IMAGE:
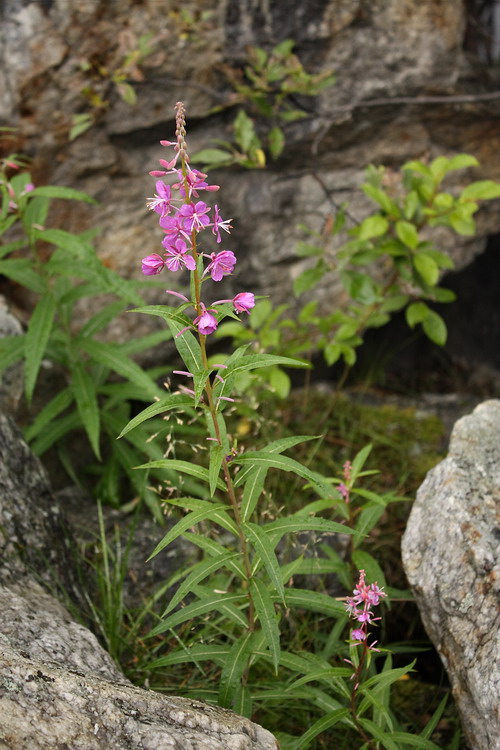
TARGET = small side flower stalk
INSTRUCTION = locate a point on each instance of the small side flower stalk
(360, 608)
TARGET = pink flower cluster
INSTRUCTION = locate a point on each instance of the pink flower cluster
(359, 607)
(182, 219)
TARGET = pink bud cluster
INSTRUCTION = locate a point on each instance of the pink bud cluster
(359, 605)
(182, 219)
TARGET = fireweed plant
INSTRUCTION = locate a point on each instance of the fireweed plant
(232, 619)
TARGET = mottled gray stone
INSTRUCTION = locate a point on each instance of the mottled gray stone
(451, 554)
(11, 379)
(58, 687)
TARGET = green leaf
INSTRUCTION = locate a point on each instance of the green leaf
(414, 740)
(268, 618)
(244, 131)
(320, 726)
(195, 653)
(254, 361)
(21, 271)
(111, 356)
(383, 679)
(407, 233)
(11, 351)
(308, 279)
(363, 561)
(52, 410)
(37, 336)
(306, 250)
(276, 141)
(56, 191)
(427, 268)
(298, 523)
(185, 523)
(86, 401)
(101, 319)
(174, 401)
(201, 571)
(435, 718)
(283, 463)
(416, 313)
(380, 197)
(435, 328)
(377, 733)
(202, 606)
(462, 161)
(217, 454)
(265, 552)
(214, 157)
(280, 382)
(54, 431)
(481, 190)
(314, 602)
(232, 672)
(373, 226)
(185, 467)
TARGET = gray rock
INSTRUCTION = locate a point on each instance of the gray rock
(11, 379)
(451, 554)
(58, 687)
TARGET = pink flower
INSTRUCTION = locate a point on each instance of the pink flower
(161, 202)
(152, 265)
(243, 302)
(174, 230)
(194, 215)
(358, 635)
(220, 224)
(222, 265)
(196, 181)
(178, 256)
(205, 321)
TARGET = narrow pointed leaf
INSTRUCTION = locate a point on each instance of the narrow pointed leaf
(198, 608)
(236, 662)
(298, 523)
(284, 463)
(174, 401)
(217, 454)
(268, 618)
(36, 340)
(185, 523)
(265, 552)
(86, 401)
(198, 652)
(58, 404)
(201, 571)
(200, 472)
(11, 351)
(110, 356)
(320, 726)
(314, 601)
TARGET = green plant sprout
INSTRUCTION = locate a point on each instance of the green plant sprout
(267, 87)
(391, 263)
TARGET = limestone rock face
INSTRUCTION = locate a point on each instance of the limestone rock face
(451, 557)
(381, 49)
(58, 687)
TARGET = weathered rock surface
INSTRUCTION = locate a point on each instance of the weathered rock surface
(451, 554)
(379, 49)
(58, 687)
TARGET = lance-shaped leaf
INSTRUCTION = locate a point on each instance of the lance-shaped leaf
(36, 340)
(185, 523)
(57, 191)
(187, 345)
(235, 665)
(110, 356)
(298, 523)
(314, 602)
(185, 467)
(320, 726)
(215, 601)
(86, 401)
(196, 653)
(265, 553)
(273, 461)
(174, 401)
(201, 571)
(55, 406)
(11, 351)
(217, 454)
(268, 618)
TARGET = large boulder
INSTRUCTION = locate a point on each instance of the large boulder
(389, 57)
(58, 687)
(451, 557)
